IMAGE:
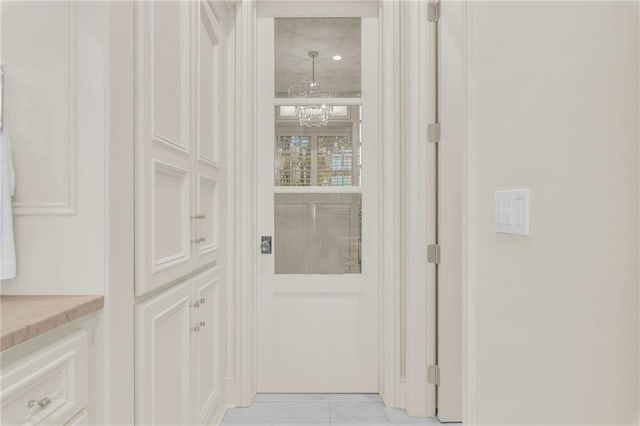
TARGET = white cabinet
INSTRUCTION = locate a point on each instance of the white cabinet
(207, 358)
(208, 124)
(48, 387)
(163, 354)
(178, 356)
(178, 131)
(177, 141)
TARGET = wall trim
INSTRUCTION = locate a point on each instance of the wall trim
(465, 26)
(391, 319)
(117, 320)
(245, 205)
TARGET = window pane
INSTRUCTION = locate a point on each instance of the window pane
(338, 63)
(328, 155)
(318, 233)
(293, 161)
(335, 161)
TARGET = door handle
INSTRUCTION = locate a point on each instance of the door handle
(265, 244)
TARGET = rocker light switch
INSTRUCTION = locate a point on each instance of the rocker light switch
(512, 211)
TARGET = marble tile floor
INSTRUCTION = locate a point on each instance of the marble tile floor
(320, 410)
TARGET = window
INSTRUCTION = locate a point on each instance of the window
(323, 156)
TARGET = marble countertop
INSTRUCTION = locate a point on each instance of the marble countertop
(25, 317)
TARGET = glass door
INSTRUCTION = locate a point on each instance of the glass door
(318, 202)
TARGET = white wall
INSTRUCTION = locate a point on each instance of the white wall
(54, 56)
(553, 106)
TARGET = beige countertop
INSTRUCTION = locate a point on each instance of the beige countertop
(25, 317)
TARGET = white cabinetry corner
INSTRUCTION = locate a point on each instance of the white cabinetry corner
(178, 354)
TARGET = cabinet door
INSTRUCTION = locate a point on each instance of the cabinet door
(164, 148)
(163, 350)
(207, 355)
(208, 133)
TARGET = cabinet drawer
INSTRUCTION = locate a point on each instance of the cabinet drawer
(48, 387)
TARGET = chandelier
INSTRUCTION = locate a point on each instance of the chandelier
(313, 115)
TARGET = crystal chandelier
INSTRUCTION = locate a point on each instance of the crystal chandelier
(313, 115)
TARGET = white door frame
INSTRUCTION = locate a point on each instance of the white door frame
(403, 327)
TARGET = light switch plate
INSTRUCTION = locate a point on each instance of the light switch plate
(512, 211)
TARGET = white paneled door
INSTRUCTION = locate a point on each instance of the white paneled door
(206, 365)
(178, 354)
(164, 147)
(177, 141)
(163, 358)
(180, 309)
(318, 282)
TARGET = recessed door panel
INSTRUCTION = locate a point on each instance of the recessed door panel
(163, 350)
(209, 82)
(168, 72)
(208, 377)
(171, 231)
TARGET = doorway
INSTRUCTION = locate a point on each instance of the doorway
(317, 205)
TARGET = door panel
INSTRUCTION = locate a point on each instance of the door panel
(318, 289)
(163, 350)
(163, 153)
(168, 59)
(170, 212)
(208, 379)
(209, 87)
(208, 134)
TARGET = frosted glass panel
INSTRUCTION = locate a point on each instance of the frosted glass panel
(318, 233)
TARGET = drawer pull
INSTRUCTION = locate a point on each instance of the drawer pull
(41, 405)
(36, 406)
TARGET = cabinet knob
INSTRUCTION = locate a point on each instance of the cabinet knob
(202, 324)
(196, 329)
(202, 301)
(195, 305)
(42, 404)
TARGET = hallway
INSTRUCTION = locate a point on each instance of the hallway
(320, 410)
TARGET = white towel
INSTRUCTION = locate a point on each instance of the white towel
(7, 189)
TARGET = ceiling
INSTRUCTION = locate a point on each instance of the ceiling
(295, 37)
